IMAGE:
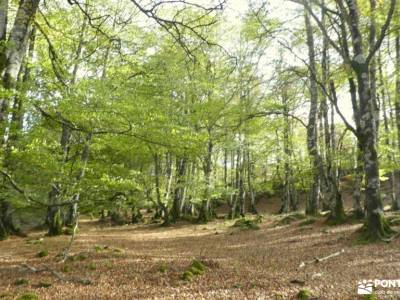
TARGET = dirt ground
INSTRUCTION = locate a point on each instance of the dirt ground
(147, 262)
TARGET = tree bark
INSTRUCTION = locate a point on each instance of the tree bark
(16, 49)
(312, 205)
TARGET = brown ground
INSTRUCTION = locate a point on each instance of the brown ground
(248, 264)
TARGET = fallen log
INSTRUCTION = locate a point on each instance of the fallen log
(320, 259)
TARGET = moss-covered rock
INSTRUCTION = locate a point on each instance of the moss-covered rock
(187, 276)
(198, 265)
(99, 248)
(196, 271)
(304, 295)
(163, 268)
(44, 284)
(28, 296)
(43, 253)
(21, 281)
(78, 257)
(246, 224)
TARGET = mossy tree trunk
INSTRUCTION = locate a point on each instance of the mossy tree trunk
(54, 221)
(375, 226)
(7, 226)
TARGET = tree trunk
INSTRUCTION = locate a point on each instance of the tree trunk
(204, 213)
(17, 47)
(376, 226)
(312, 141)
(3, 32)
(179, 189)
(396, 205)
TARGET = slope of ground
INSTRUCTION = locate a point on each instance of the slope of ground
(147, 262)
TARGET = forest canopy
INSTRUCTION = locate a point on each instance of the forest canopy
(109, 108)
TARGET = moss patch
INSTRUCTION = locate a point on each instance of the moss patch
(308, 221)
(196, 268)
(290, 219)
(92, 266)
(21, 281)
(304, 295)
(44, 284)
(163, 268)
(28, 296)
(246, 224)
(43, 253)
(187, 276)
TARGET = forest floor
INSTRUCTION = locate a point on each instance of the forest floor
(147, 262)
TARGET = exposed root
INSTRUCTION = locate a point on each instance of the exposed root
(58, 275)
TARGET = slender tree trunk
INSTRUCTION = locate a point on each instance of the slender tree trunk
(3, 32)
(204, 213)
(312, 130)
(73, 209)
(160, 204)
(396, 204)
(179, 188)
(250, 175)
